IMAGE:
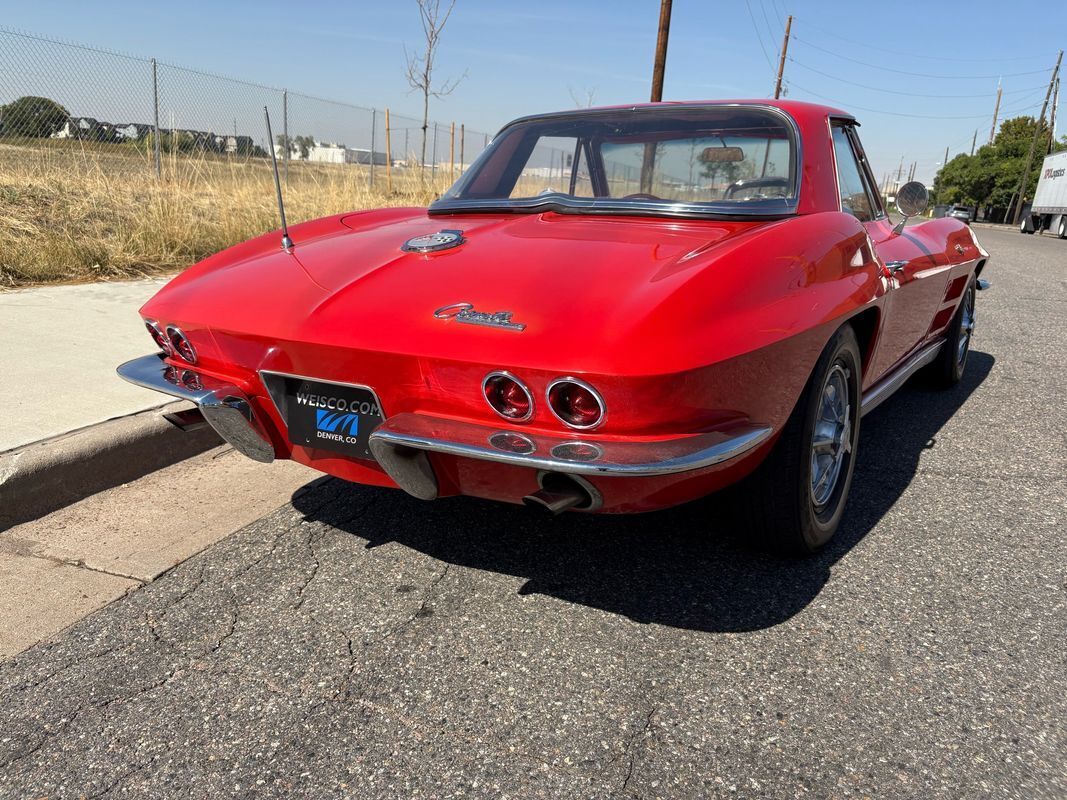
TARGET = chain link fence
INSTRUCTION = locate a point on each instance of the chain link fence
(55, 93)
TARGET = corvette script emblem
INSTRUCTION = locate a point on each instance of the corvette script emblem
(465, 313)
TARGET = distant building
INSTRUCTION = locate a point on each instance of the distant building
(79, 128)
(329, 153)
(130, 131)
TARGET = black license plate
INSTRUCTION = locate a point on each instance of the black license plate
(331, 416)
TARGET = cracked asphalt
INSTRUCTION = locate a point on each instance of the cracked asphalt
(359, 643)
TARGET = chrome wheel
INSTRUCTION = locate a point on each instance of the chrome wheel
(831, 440)
(966, 326)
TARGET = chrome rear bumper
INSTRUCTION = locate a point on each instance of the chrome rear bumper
(224, 406)
(399, 444)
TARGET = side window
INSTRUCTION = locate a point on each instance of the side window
(850, 184)
(865, 172)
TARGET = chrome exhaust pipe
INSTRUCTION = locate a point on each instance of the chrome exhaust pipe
(560, 492)
(556, 502)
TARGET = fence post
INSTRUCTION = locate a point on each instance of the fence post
(155, 125)
(373, 125)
(285, 131)
(433, 166)
(461, 140)
(388, 155)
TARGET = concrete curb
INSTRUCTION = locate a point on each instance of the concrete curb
(39, 478)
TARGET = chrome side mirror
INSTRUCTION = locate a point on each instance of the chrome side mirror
(912, 199)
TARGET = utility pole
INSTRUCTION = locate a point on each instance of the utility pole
(648, 161)
(1052, 115)
(974, 140)
(661, 50)
(1033, 142)
(781, 57)
(996, 111)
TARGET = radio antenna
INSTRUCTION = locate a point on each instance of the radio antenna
(287, 243)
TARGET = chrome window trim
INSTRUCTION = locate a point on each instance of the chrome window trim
(566, 204)
(587, 386)
(500, 373)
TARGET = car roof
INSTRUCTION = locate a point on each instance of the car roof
(798, 109)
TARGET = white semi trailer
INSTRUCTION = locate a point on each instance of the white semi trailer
(1048, 212)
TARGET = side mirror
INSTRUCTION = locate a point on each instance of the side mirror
(912, 199)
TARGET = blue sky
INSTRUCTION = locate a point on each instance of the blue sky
(524, 57)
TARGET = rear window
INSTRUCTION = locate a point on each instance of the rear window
(725, 159)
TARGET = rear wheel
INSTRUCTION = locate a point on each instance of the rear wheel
(1063, 227)
(795, 499)
(1024, 228)
(947, 369)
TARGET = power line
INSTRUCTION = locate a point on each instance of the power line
(890, 113)
(781, 12)
(919, 74)
(770, 28)
(896, 52)
(895, 91)
(759, 36)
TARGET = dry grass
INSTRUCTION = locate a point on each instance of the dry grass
(84, 212)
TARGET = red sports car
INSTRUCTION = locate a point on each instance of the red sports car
(612, 310)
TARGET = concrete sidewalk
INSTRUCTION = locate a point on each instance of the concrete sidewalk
(56, 569)
(59, 346)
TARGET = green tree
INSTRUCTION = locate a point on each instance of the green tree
(35, 117)
(990, 178)
(299, 146)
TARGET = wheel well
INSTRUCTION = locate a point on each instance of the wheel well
(978, 269)
(865, 325)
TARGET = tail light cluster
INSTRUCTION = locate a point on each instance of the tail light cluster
(171, 341)
(160, 338)
(573, 402)
(508, 396)
(576, 403)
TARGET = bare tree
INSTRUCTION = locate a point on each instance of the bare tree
(579, 102)
(420, 66)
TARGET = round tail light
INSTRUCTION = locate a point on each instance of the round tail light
(181, 344)
(160, 338)
(508, 396)
(577, 404)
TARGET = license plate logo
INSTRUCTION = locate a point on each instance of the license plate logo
(336, 422)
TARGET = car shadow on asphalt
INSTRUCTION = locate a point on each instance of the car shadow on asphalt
(687, 567)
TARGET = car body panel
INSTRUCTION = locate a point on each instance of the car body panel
(684, 326)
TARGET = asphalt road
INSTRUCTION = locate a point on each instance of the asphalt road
(359, 643)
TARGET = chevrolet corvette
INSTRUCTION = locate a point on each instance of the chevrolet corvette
(612, 310)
